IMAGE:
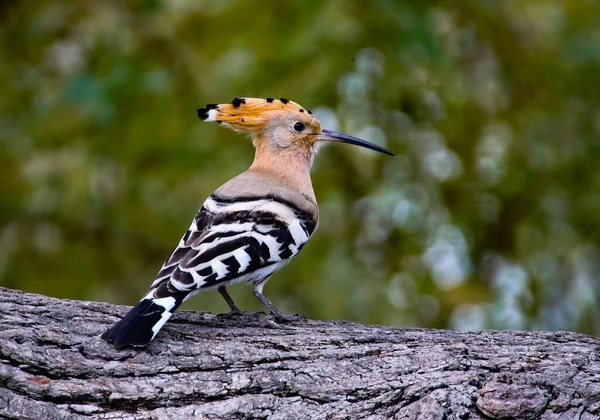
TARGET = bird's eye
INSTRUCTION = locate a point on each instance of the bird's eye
(298, 127)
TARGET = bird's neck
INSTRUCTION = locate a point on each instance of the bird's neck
(292, 167)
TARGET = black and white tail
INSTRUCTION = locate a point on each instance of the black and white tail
(143, 322)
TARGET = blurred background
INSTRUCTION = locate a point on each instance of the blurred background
(489, 217)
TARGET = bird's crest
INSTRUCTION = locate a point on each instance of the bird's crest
(249, 114)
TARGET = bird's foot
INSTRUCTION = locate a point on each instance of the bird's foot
(239, 314)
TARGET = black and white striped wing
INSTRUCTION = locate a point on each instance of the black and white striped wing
(233, 241)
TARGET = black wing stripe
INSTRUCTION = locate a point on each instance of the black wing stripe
(220, 249)
(233, 265)
(193, 238)
(308, 224)
(205, 272)
(258, 217)
(223, 200)
(203, 219)
(167, 271)
(217, 235)
(183, 277)
(177, 255)
(167, 289)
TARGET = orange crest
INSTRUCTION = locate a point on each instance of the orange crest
(249, 114)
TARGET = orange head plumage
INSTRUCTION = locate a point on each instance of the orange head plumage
(277, 125)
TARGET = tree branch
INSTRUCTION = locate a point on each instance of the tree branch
(54, 365)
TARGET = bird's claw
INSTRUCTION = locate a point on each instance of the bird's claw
(239, 314)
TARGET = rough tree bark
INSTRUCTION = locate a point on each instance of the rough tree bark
(54, 365)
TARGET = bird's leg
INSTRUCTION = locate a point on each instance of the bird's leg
(235, 312)
(257, 289)
(234, 308)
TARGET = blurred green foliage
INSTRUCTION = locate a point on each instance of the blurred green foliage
(488, 218)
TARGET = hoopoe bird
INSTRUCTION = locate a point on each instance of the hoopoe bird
(249, 227)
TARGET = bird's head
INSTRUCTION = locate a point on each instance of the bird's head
(278, 125)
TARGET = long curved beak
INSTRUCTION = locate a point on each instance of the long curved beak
(330, 135)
